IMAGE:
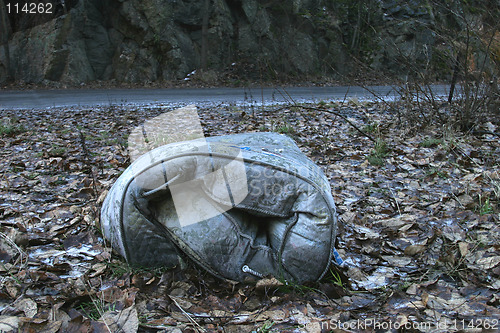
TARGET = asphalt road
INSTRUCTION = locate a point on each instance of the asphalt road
(36, 99)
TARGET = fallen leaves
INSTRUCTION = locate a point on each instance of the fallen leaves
(420, 231)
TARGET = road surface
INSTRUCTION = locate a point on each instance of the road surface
(36, 99)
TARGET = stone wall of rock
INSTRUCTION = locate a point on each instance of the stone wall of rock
(152, 40)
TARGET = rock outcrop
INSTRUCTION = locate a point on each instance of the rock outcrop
(152, 40)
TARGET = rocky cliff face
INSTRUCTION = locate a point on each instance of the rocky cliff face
(140, 41)
(144, 41)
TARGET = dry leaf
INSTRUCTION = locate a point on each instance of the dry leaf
(125, 321)
(268, 283)
(412, 250)
(9, 323)
(463, 247)
(488, 262)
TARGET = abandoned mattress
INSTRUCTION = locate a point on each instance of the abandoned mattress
(241, 206)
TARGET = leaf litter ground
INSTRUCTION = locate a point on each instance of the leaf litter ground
(418, 229)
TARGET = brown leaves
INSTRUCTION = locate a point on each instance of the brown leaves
(125, 321)
(412, 250)
(419, 232)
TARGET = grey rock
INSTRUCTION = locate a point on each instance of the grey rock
(150, 40)
(303, 55)
(3, 73)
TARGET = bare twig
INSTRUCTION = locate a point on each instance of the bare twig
(188, 316)
(22, 254)
(395, 200)
(95, 303)
(88, 162)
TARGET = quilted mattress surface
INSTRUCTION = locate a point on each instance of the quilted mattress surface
(241, 206)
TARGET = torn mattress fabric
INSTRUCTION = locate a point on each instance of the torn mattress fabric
(241, 206)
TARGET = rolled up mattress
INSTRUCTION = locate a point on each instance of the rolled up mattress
(241, 206)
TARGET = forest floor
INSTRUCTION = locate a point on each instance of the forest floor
(418, 228)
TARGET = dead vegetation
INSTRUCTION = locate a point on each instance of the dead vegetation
(419, 228)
